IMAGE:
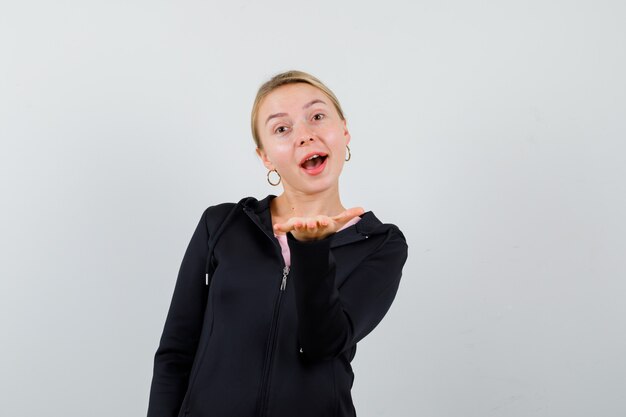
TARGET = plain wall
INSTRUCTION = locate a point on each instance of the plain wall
(492, 133)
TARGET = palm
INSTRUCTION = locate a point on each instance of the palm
(318, 227)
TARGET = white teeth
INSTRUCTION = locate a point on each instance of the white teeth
(313, 156)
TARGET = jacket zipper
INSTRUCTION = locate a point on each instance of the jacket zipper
(267, 369)
(269, 359)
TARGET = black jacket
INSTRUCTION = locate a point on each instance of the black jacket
(262, 339)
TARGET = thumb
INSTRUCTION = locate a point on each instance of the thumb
(348, 214)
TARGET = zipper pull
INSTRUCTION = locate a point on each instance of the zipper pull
(285, 273)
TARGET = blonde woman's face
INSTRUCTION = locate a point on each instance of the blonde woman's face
(294, 122)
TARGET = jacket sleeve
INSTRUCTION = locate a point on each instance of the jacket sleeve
(177, 348)
(332, 320)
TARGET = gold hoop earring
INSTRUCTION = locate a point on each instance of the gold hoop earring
(349, 154)
(268, 177)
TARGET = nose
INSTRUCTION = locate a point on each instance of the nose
(303, 133)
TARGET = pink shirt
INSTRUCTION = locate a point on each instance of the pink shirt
(282, 239)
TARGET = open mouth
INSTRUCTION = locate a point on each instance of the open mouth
(314, 162)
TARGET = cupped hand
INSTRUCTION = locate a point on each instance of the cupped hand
(318, 227)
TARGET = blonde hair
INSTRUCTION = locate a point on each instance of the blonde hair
(288, 77)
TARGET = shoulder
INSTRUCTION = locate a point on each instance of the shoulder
(372, 225)
(218, 212)
(219, 208)
(394, 240)
(215, 215)
(386, 244)
(393, 245)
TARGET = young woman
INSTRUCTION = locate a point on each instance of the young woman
(273, 295)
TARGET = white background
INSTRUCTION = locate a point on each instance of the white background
(491, 132)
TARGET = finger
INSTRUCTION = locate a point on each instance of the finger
(295, 223)
(349, 214)
(355, 211)
(322, 221)
(339, 216)
(299, 225)
(282, 227)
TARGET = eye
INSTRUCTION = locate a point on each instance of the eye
(321, 116)
(280, 129)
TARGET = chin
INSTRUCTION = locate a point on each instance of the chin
(306, 188)
(319, 187)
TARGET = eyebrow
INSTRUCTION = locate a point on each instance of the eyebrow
(309, 104)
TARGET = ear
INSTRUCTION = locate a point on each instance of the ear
(261, 153)
(346, 133)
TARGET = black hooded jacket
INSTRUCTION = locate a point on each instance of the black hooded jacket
(246, 336)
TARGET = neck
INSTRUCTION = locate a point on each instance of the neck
(298, 204)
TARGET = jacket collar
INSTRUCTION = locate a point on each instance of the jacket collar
(368, 225)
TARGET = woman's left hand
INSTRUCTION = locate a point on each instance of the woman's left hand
(318, 227)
